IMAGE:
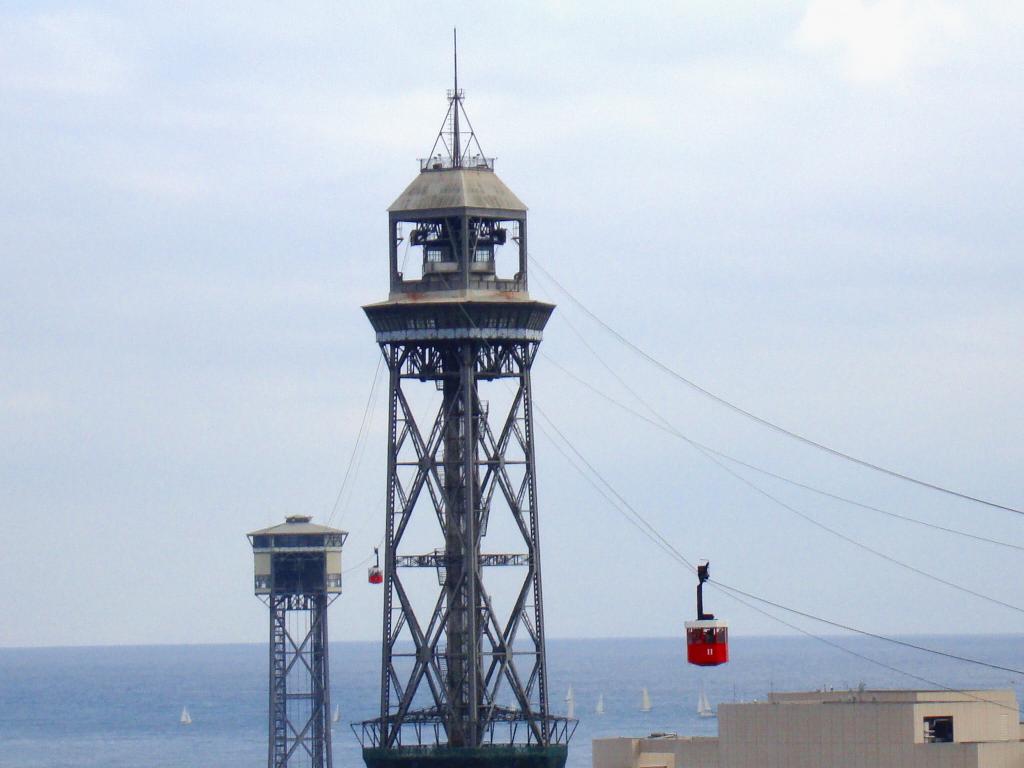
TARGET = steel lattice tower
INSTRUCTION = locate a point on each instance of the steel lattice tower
(298, 573)
(464, 677)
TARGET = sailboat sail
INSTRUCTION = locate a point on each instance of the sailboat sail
(600, 705)
(336, 715)
(186, 718)
(570, 703)
(704, 706)
(645, 702)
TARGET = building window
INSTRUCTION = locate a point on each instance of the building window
(435, 255)
(299, 540)
(483, 255)
(938, 729)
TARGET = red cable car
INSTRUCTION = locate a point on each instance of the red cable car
(707, 638)
(375, 575)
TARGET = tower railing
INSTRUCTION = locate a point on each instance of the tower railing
(425, 730)
(446, 163)
(455, 282)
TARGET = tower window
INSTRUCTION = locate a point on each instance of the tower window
(435, 255)
(483, 254)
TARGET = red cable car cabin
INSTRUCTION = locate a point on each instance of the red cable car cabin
(375, 576)
(707, 642)
(707, 638)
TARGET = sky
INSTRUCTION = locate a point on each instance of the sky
(813, 209)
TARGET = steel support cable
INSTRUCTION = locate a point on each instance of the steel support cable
(870, 660)
(757, 489)
(659, 540)
(652, 531)
(360, 437)
(655, 536)
(638, 521)
(733, 591)
(888, 558)
(861, 545)
(631, 515)
(362, 451)
(364, 561)
(671, 430)
(759, 419)
(359, 525)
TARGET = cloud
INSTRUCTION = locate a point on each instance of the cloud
(878, 41)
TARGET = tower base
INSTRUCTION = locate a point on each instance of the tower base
(492, 756)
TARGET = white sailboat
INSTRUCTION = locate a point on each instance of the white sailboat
(336, 715)
(645, 702)
(186, 718)
(703, 705)
(599, 709)
(570, 704)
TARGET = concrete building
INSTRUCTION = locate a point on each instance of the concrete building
(847, 729)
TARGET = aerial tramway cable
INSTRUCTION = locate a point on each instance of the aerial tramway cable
(671, 430)
(359, 447)
(878, 663)
(757, 489)
(355, 457)
(727, 589)
(759, 419)
(624, 508)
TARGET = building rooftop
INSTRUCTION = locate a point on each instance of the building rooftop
(297, 525)
(886, 696)
(852, 728)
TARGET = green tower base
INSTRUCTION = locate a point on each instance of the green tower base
(493, 756)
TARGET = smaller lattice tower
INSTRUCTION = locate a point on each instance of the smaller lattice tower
(298, 574)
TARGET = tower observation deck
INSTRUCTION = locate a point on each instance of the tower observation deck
(463, 673)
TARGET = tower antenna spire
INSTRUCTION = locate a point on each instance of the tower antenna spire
(448, 150)
(456, 102)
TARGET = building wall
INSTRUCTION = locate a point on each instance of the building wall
(666, 752)
(1009, 754)
(788, 735)
(615, 753)
(993, 719)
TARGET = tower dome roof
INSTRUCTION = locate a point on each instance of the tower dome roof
(457, 189)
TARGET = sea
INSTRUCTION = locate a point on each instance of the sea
(119, 706)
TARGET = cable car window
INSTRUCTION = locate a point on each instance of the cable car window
(938, 729)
